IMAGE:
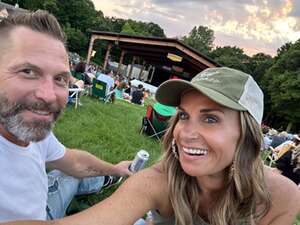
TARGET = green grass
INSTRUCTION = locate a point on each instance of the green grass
(109, 131)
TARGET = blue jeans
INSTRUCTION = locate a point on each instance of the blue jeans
(62, 189)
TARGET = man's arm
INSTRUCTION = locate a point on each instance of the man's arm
(81, 164)
(145, 190)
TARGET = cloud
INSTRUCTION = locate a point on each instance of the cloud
(252, 23)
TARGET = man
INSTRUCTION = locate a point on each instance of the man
(286, 146)
(138, 95)
(34, 77)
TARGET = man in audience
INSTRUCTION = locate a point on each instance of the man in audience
(34, 78)
(138, 95)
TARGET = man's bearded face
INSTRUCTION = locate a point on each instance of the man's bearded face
(13, 121)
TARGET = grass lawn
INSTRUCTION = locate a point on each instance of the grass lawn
(109, 131)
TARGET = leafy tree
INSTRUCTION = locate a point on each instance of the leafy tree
(76, 40)
(155, 30)
(232, 57)
(283, 84)
(142, 29)
(49, 5)
(259, 64)
(200, 38)
(284, 48)
(127, 29)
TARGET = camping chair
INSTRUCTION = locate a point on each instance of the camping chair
(100, 91)
(270, 156)
(155, 122)
(74, 96)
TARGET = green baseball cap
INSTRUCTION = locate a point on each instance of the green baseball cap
(228, 87)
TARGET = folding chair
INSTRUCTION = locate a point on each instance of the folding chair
(155, 122)
(100, 91)
(270, 156)
(74, 96)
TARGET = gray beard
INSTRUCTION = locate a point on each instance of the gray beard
(26, 131)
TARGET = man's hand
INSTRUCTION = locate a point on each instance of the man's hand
(122, 168)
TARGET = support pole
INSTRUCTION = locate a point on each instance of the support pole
(121, 61)
(90, 49)
(131, 67)
(109, 46)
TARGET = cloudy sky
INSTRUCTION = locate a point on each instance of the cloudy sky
(254, 25)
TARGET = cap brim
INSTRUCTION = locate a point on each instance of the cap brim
(170, 92)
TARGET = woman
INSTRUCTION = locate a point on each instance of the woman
(289, 164)
(211, 172)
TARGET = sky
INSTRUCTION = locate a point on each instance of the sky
(253, 25)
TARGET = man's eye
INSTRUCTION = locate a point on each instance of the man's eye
(182, 115)
(62, 81)
(211, 119)
(28, 72)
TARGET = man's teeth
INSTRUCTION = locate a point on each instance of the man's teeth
(41, 112)
(195, 151)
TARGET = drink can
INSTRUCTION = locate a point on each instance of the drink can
(139, 161)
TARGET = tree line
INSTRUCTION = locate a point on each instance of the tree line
(279, 76)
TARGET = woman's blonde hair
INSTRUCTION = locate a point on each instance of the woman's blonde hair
(245, 197)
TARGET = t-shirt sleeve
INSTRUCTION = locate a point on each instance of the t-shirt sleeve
(55, 149)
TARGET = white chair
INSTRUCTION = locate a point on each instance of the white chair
(75, 95)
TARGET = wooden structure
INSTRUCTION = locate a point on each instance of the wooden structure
(166, 54)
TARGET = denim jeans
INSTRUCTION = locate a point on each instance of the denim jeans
(62, 189)
(140, 222)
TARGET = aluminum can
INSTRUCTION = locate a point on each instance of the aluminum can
(139, 161)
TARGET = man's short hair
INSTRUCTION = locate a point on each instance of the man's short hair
(40, 21)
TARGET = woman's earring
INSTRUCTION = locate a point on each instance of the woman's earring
(174, 148)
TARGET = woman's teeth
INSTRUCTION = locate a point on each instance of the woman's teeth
(195, 151)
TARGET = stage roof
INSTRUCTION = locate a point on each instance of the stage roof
(160, 52)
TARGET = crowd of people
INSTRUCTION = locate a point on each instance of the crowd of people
(284, 150)
(118, 87)
(210, 172)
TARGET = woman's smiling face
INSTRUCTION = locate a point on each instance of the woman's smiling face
(206, 135)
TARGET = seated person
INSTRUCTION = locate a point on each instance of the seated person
(278, 139)
(286, 146)
(74, 83)
(138, 95)
(31, 101)
(119, 90)
(79, 73)
(128, 88)
(289, 164)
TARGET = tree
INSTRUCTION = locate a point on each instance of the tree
(284, 48)
(283, 84)
(232, 57)
(200, 38)
(76, 40)
(259, 64)
(127, 29)
(142, 29)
